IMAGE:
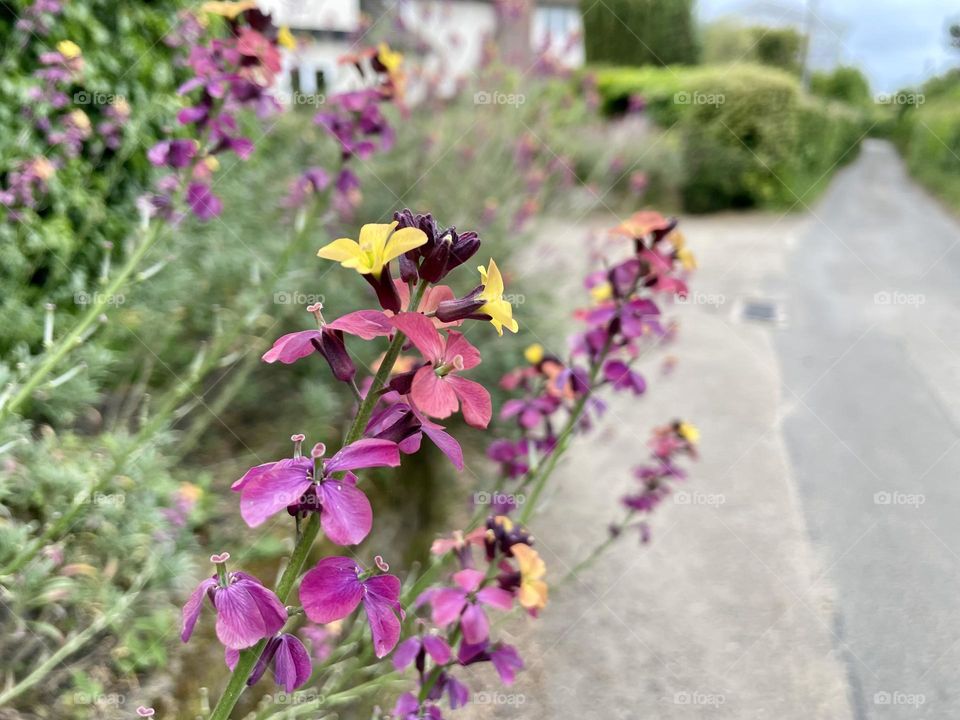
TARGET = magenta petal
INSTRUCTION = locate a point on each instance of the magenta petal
(250, 474)
(496, 597)
(365, 324)
(410, 445)
(291, 664)
(507, 661)
(346, 516)
(406, 652)
(193, 606)
(230, 657)
(457, 344)
(239, 623)
(446, 442)
(447, 603)
(432, 394)
(475, 401)
(331, 591)
(366, 453)
(468, 579)
(437, 648)
(269, 493)
(381, 603)
(476, 627)
(292, 346)
(422, 333)
(272, 611)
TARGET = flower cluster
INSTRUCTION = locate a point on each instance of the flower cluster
(322, 490)
(654, 478)
(355, 120)
(493, 565)
(230, 74)
(558, 396)
(498, 569)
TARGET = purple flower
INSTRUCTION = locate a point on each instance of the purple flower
(291, 662)
(328, 340)
(418, 647)
(336, 586)
(530, 412)
(308, 484)
(203, 202)
(405, 425)
(444, 251)
(408, 708)
(619, 374)
(463, 603)
(172, 153)
(246, 611)
(504, 657)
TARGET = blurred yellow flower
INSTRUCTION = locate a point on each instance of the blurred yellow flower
(533, 589)
(534, 353)
(601, 292)
(229, 10)
(689, 432)
(285, 38)
(378, 245)
(499, 310)
(68, 49)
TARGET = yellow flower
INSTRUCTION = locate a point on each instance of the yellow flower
(499, 310)
(689, 432)
(533, 589)
(684, 255)
(534, 353)
(80, 119)
(378, 245)
(601, 292)
(229, 10)
(390, 59)
(212, 163)
(68, 49)
(285, 38)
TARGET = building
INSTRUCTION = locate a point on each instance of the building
(452, 34)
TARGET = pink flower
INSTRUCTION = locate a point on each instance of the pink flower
(336, 586)
(246, 611)
(463, 603)
(345, 513)
(437, 389)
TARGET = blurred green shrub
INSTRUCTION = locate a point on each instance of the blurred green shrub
(847, 84)
(750, 137)
(927, 131)
(640, 32)
(730, 41)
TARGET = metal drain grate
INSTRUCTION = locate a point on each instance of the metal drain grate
(761, 311)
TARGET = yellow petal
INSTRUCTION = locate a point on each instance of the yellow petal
(533, 594)
(534, 353)
(373, 236)
(689, 432)
(341, 250)
(403, 240)
(285, 38)
(531, 564)
(68, 49)
(492, 281)
(229, 10)
(601, 292)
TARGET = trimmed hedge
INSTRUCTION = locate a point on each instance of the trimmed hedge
(751, 137)
(639, 32)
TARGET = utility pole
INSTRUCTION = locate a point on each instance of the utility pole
(808, 25)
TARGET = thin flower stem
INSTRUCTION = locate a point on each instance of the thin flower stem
(597, 551)
(298, 557)
(70, 341)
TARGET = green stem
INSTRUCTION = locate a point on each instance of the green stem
(596, 553)
(298, 557)
(68, 343)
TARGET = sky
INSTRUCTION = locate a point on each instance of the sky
(897, 43)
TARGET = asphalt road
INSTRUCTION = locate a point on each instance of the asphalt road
(870, 362)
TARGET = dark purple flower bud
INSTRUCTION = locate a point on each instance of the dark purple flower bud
(334, 350)
(462, 308)
(386, 291)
